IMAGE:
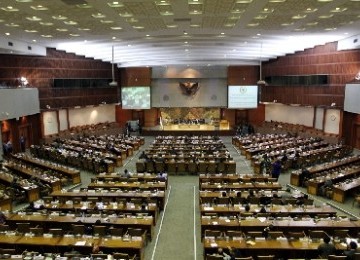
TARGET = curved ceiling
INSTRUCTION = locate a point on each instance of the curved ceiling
(170, 32)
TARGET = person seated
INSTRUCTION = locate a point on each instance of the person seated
(326, 248)
(351, 250)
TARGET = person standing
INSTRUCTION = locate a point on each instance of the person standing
(276, 169)
(22, 143)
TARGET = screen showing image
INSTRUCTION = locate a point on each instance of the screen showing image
(135, 97)
(243, 96)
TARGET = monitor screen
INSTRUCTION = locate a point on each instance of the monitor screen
(242, 96)
(136, 97)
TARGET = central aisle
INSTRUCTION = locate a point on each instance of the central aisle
(177, 236)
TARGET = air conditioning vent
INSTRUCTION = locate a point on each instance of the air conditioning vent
(182, 20)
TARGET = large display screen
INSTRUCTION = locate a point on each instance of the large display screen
(137, 97)
(242, 96)
(352, 98)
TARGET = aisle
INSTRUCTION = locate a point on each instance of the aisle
(176, 233)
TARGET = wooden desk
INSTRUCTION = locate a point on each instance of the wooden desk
(159, 195)
(128, 185)
(282, 224)
(241, 186)
(275, 209)
(83, 244)
(152, 210)
(280, 248)
(65, 222)
(73, 174)
(55, 184)
(341, 189)
(315, 184)
(295, 175)
(32, 193)
(5, 204)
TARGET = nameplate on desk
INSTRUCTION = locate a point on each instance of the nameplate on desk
(259, 238)
(208, 208)
(80, 243)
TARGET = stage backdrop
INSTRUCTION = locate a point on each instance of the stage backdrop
(208, 114)
(189, 86)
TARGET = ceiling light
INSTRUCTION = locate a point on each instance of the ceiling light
(325, 1)
(34, 40)
(326, 16)
(330, 29)
(277, 1)
(74, 35)
(147, 35)
(46, 35)
(106, 21)
(24, 1)
(59, 17)
(7, 33)
(84, 6)
(116, 28)
(31, 31)
(39, 8)
(338, 10)
(12, 25)
(9, 9)
(84, 29)
(98, 15)
(244, 1)
(299, 16)
(252, 24)
(286, 24)
(46, 23)
(115, 4)
(113, 38)
(312, 23)
(267, 10)
(125, 14)
(62, 29)
(260, 17)
(34, 18)
(70, 22)
(185, 33)
(310, 10)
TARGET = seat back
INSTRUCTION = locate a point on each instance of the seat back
(56, 232)
(78, 229)
(23, 227)
(99, 230)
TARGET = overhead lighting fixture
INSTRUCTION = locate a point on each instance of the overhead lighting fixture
(9, 9)
(115, 4)
(70, 22)
(113, 83)
(34, 18)
(98, 15)
(46, 23)
(39, 8)
(59, 17)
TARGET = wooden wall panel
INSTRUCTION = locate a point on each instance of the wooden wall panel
(135, 76)
(341, 66)
(150, 117)
(40, 72)
(243, 75)
(122, 115)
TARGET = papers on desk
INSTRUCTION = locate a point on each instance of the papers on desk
(259, 238)
(213, 245)
(80, 243)
(262, 219)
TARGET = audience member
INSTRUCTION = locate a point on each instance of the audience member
(326, 248)
(351, 250)
(276, 169)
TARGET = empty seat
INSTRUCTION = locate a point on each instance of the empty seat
(99, 230)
